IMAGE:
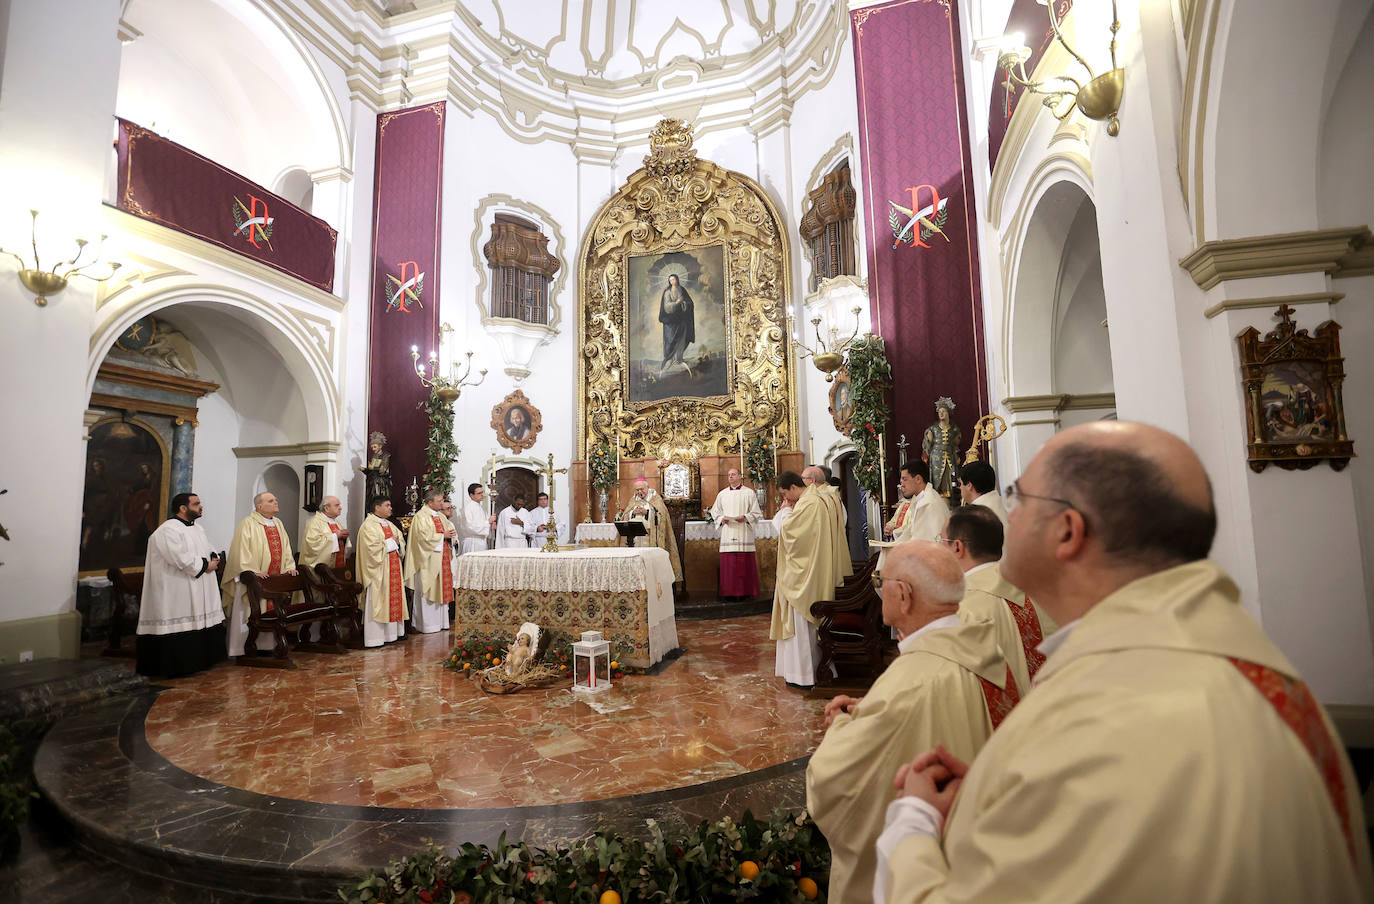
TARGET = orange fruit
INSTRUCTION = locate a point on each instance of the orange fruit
(748, 869)
(614, 664)
(466, 666)
(609, 897)
(807, 886)
(496, 661)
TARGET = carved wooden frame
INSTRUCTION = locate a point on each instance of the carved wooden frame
(841, 419)
(502, 410)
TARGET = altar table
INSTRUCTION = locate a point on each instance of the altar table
(626, 594)
(593, 534)
(701, 558)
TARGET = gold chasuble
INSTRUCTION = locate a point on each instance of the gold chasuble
(933, 693)
(427, 557)
(808, 569)
(1020, 625)
(844, 562)
(379, 570)
(659, 525)
(322, 544)
(260, 546)
(1169, 752)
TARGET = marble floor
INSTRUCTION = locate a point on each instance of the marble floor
(392, 728)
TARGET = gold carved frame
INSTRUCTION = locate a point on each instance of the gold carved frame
(677, 202)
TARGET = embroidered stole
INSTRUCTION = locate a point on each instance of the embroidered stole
(339, 554)
(1028, 626)
(445, 566)
(394, 581)
(1000, 701)
(274, 551)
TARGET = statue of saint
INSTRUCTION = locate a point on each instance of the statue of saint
(378, 470)
(940, 447)
(677, 313)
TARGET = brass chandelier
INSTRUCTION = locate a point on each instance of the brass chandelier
(1098, 96)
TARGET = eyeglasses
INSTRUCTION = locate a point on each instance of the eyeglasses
(946, 540)
(879, 580)
(1013, 495)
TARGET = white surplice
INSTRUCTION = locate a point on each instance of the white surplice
(508, 533)
(473, 527)
(180, 593)
(539, 518)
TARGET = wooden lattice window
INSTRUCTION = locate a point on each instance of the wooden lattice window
(828, 227)
(522, 269)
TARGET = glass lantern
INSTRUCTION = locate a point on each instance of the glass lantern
(587, 656)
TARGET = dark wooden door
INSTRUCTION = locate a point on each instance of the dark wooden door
(510, 481)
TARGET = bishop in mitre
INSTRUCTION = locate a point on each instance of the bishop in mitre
(736, 510)
(429, 567)
(807, 572)
(326, 540)
(381, 572)
(647, 505)
(180, 621)
(261, 546)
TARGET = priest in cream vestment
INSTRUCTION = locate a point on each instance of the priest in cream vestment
(1167, 750)
(429, 567)
(928, 510)
(949, 683)
(839, 544)
(647, 505)
(807, 573)
(736, 510)
(974, 534)
(261, 546)
(381, 571)
(326, 540)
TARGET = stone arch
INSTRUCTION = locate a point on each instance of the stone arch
(283, 481)
(288, 336)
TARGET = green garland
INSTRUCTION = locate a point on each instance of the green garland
(601, 466)
(782, 859)
(15, 793)
(440, 451)
(758, 458)
(870, 375)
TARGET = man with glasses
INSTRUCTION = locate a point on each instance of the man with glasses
(949, 684)
(974, 535)
(1169, 751)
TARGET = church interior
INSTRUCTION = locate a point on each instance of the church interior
(585, 284)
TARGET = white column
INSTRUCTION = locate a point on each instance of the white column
(57, 95)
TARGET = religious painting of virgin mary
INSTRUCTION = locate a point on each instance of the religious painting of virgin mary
(678, 325)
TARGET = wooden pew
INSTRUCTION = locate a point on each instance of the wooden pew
(271, 608)
(852, 635)
(126, 592)
(345, 595)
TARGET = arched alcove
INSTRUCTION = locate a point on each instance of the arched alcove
(282, 481)
(296, 186)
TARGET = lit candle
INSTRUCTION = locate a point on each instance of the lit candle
(882, 468)
(775, 450)
(813, 450)
(741, 449)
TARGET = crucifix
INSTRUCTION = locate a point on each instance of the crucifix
(550, 537)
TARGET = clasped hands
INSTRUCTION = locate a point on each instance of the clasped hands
(842, 703)
(263, 574)
(934, 777)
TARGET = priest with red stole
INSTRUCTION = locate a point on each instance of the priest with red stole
(429, 567)
(736, 510)
(261, 546)
(326, 540)
(381, 572)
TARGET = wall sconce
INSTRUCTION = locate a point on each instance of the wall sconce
(43, 283)
(1099, 97)
(827, 356)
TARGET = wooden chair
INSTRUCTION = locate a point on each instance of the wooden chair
(271, 608)
(345, 595)
(126, 594)
(852, 636)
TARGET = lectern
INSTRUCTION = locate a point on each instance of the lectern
(631, 529)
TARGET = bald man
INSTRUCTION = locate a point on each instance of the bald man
(326, 540)
(261, 546)
(736, 510)
(1168, 751)
(647, 505)
(818, 476)
(950, 683)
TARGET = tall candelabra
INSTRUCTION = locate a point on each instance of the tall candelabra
(827, 355)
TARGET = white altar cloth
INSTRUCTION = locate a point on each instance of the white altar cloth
(709, 530)
(589, 530)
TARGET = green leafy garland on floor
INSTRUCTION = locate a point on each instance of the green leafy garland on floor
(870, 375)
(441, 451)
(782, 859)
(15, 792)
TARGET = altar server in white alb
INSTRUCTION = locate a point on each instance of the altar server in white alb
(261, 546)
(326, 540)
(429, 567)
(736, 510)
(537, 524)
(381, 571)
(511, 523)
(474, 524)
(180, 621)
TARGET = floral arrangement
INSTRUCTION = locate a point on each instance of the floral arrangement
(870, 375)
(440, 449)
(758, 460)
(782, 859)
(601, 466)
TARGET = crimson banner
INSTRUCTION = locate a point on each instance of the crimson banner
(162, 181)
(405, 282)
(923, 279)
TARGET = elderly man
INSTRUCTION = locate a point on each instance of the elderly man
(381, 571)
(429, 567)
(927, 510)
(538, 530)
(180, 621)
(1169, 751)
(261, 546)
(978, 486)
(736, 510)
(475, 523)
(949, 683)
(511, 523)
(326, 540)
(647, 506)
(808, 571)
(974, 535)
(819, 477)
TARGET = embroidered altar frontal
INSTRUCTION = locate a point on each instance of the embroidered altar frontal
(626, 594)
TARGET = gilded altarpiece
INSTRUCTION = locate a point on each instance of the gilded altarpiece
(649, 254)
